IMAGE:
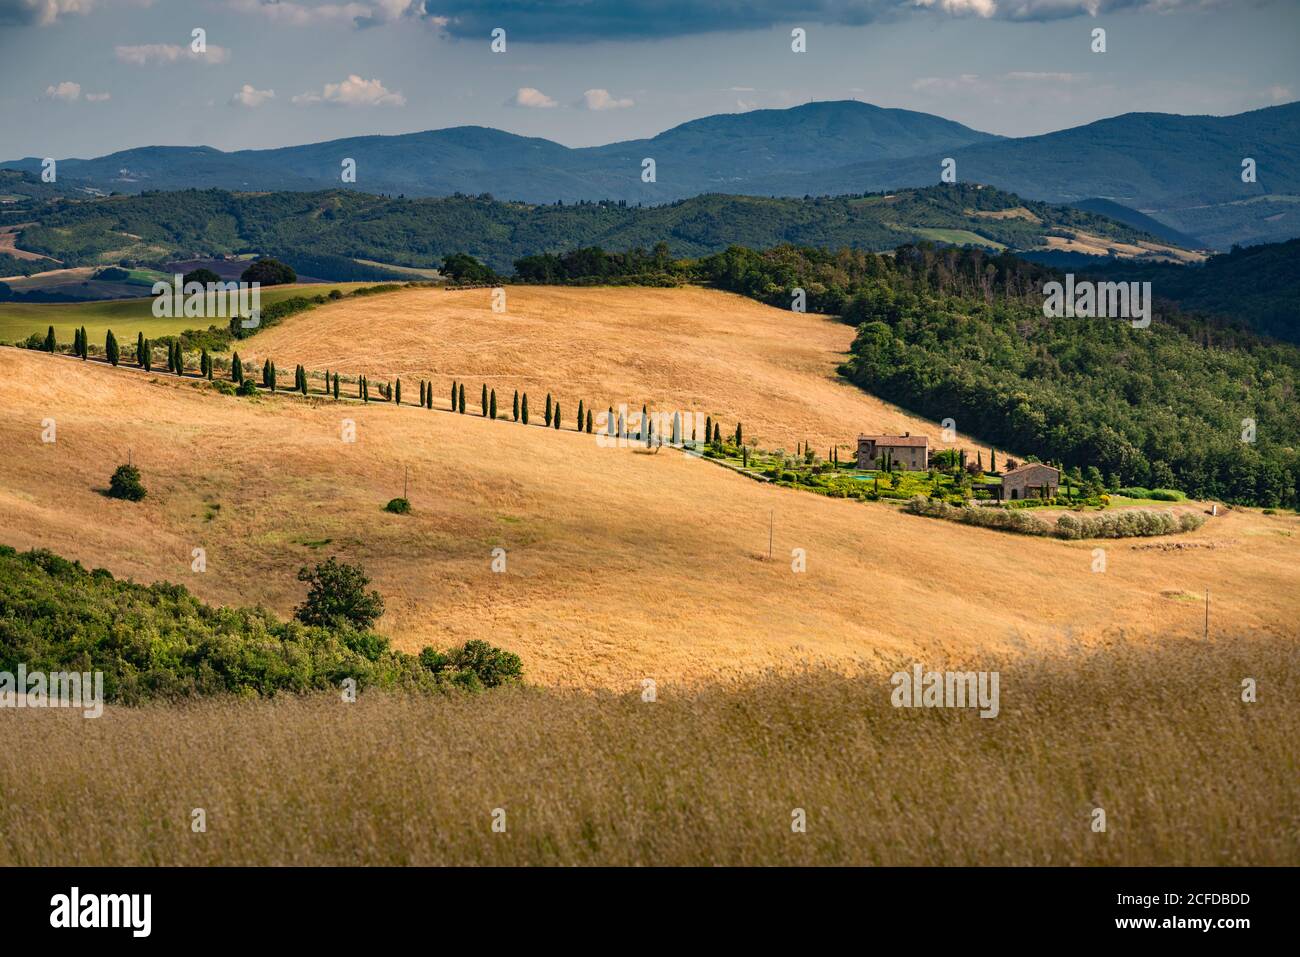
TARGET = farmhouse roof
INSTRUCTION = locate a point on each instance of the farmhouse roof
(906, 441)
(1027, 466)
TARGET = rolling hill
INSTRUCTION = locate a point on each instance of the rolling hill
(421, 232)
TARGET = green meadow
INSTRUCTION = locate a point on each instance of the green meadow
(125, 317)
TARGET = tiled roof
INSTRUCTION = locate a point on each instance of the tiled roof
(1029, 465)
(897, 441)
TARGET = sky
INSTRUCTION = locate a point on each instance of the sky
(83, 78)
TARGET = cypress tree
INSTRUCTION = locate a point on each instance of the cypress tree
(516, 406)
(110, 348)
(462, 399)
(421, 392)
(993, 460)
(203, 364)
(428, 397)
(589, 420)
(493, 400)
(556, 420)
(139, 349)
(645, 432)
(85, 345)
(548, 410)
(272, 376)
(76, 342)
(236, 369)
(708, 427)
(336, 387)
(50, 343)
(453, 395)
(739, 434)
(147, 359)
(266, 373)
(525, 408)
(304, 381)
(580, 416)
(398, 394)
(717, 434)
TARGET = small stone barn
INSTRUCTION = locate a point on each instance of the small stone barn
(906, 450)
(1031, 480)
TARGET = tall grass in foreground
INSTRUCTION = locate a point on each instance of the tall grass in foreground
(1158, 737)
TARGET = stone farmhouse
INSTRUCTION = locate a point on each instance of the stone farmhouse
(909, 451)
(1031, 480)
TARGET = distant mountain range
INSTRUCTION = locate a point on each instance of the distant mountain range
(1183, 172)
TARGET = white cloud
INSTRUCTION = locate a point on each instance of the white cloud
(306, 14)
(1046, 77)
(601, 100)
(41, 12)
(251, 97)
(69, 92)
(354, 91)
(532, 98)
(1280, 94)
(145, 53)
(66, 91)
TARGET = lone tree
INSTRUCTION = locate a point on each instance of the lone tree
(126, 484)
(269, 272)
(337, 597)
(110, 348)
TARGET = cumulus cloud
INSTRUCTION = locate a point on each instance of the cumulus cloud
(534, 99)
(602, 100)
(251, 97)
(40, 12)
(354, 91)
(369, 14)
(147, 53)
(69, 92)
(562, 21)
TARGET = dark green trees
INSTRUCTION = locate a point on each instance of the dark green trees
(453, 395)
(580, 415)
(492, 400)
(126, 484)
(556, 419)
(110, 348)
(139, 350)
(337, 597)
(397, 393)
(461, 399)
(589, 421)
(422, 392)
(483, 401)
(525, 408)
(236, 369)
(336, 386)
(146, 356)
(516, 405)
(548, 410)
(50, 344)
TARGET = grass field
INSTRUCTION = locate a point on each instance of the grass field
(960, 237)
(681, 349)
(621, 565)
(1157, 737)
(125, 317)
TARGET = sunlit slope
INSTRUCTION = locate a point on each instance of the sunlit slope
(691, 349)
(620, 565)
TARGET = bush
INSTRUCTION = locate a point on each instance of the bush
(224, 387)
(247, 387)
(1167, 495)
(126, 484)
(398, 506)
(337, 597)
(269, 272)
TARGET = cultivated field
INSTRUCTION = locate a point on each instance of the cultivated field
(622, 565)
(690, 349)
(125, 317)
(1155, 736)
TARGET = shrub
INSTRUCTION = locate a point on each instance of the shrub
(336, 596)
(126, 484)
(1167, 495)
(269, 272)
(398, 506)
(247, 387)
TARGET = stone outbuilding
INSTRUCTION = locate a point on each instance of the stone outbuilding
(1031, 480)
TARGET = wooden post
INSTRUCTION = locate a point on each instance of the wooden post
(771, 524)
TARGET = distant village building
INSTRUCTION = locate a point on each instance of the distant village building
(907, 450)
(1031, 480)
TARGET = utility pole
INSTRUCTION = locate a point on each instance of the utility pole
(771, 523)
(406, 470)
(1207, 613)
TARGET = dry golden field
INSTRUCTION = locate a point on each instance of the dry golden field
(621, 565)
(1154, 735)
(683, 349)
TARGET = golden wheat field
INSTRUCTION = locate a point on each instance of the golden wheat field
(620, 565)
(1155, 736)
(697, 350)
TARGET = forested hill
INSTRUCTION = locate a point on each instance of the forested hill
(1186, 403)
(157, 227)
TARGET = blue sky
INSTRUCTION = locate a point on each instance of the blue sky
(88, 77)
